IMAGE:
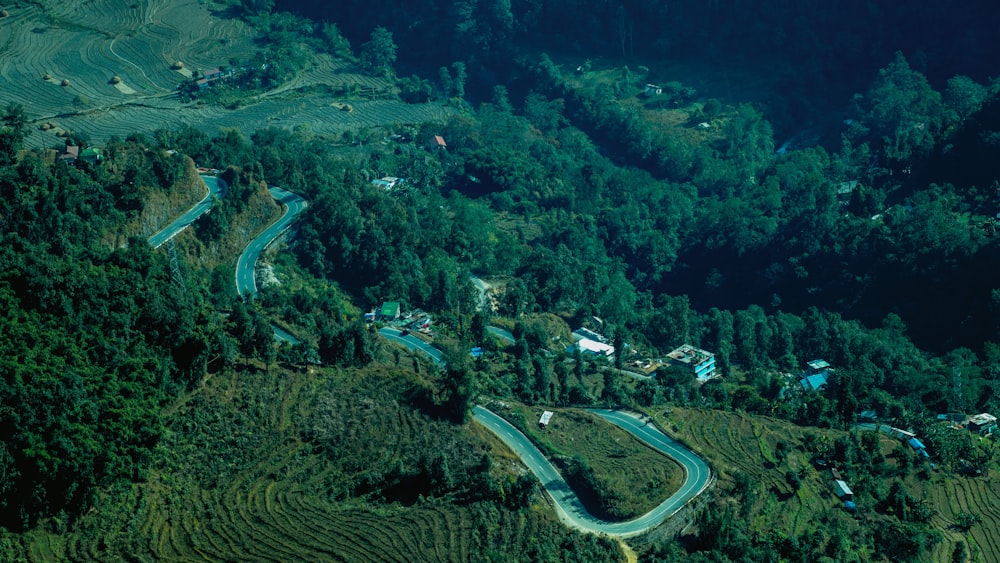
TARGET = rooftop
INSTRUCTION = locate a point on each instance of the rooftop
(390, 308)
(387, 183)
(595, 347)
(982, 419)
(687, 354)
(818, 364)
(581, 333)
(842, 489)
(814, 382)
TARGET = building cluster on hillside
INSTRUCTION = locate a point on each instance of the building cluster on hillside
(391, 313)
(71, 154)
(211, 75)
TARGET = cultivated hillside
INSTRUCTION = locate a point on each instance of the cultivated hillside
(104, 69)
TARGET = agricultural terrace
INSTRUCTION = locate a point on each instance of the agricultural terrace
(306, 467)
(108, 69)
(952, 498)
(754, 468)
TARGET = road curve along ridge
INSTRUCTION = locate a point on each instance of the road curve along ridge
(215, 187)
(246, 264)
(570, 510)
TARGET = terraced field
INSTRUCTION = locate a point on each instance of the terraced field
(253, 491)
(733, 442)
(234, 480)
(979, 496)
(58, 60)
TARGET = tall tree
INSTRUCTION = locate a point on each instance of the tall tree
(12, 133)
(903, 113)
(378, 54)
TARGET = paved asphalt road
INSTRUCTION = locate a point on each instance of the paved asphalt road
(215, 188)
(413, 343)
(246, 283)
(568, 506)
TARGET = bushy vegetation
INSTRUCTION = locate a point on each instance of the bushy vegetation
(94, 342)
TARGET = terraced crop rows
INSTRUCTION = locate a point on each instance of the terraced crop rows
(88, 43)
(723, 439)
(738, 442)
(275, 511)
(270, 498)
(337, 73)
(123, 120)
(976, 496)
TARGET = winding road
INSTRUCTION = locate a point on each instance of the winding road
(246, 282)
(216, 188)
(568, 506)
(413, 343)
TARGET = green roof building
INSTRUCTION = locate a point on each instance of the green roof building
(91, 155)
(390, 310)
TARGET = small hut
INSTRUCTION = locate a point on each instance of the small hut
(545, 419)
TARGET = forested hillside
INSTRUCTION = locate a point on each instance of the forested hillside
(821, 53)
(590, 185)
(93, 342)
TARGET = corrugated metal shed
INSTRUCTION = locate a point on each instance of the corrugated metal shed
(842, 490)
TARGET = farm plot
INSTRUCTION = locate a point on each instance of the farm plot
(33, 71)
(335, 73)
(104, 16)
(236, 483)
(978, 496)
(738, 443)
(81, 46)
(109, 69)
(317, 114)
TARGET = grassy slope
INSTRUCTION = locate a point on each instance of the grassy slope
(624, 466)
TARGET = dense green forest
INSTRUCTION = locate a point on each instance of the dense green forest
(900, 129)
(825, 52)
(872, 246)
(94, 344)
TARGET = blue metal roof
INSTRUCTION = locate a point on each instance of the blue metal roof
(813, 382)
